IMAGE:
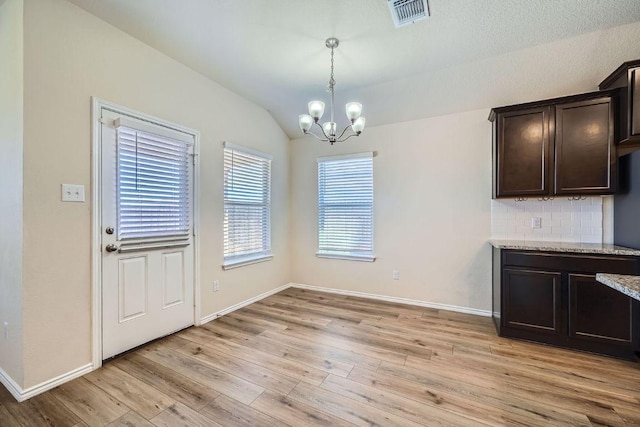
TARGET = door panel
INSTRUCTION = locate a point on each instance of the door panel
(172, 278)
(585, 152)
(523, 152)
(532, 300)
(132, 286)
(599, 313)
(147, 276)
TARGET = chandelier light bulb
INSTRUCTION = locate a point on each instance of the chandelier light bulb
(305, 121)
(354, 109)
(330, 129)
(358, 125)
(316, 109)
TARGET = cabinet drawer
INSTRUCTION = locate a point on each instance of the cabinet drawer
(584, 263)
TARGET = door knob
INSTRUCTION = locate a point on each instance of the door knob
(111, 247)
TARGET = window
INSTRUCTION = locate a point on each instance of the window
(345, 207)
(247, 206)
(153, 182)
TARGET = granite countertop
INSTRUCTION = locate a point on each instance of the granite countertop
(628, 285)
(585, 248)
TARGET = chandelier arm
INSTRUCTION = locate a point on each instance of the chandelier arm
(316, 136)
(343, 131)
(353, 134)
(323, 132)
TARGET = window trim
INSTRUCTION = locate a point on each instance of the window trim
(337, 255)
(258, 256)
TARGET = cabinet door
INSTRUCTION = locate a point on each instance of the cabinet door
(585, 157)
(522, 153)
(634, 102)
(598, 313)
(532, 300)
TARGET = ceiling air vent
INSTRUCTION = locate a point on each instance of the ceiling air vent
(407, 12)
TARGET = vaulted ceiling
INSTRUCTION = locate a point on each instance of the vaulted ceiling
(272, 51)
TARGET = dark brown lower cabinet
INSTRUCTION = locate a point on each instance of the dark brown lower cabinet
(534, 300)
(554, 298)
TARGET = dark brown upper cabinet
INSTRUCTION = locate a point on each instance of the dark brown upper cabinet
(561, 146)
(585, 158)
(627, 77)
(523, 153)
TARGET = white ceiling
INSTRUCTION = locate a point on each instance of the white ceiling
(272, 51)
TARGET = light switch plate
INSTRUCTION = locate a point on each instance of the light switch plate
(72, 193)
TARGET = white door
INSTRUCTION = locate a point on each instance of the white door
(147, 232)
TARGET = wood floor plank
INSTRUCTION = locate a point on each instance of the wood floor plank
(276, 364)
(531, 387)
(465, 404)
(177, 386)
(91, 404)
(321, 350)
(350, 410)
(7, 419)
(179, 415)
(248, 371)
(237, 324)
(294, 413)
(530, 382)
(131, 419)
(252, 320)
(140, 397)
(286, 317)
(231, 413)
(203, 373)
(327, 311)
(489, 394)
(431, 414)
(42, 410)
(277, 349)
(333, 340)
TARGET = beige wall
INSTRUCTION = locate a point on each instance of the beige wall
(432, 186)
(70, 56)
(11, 51)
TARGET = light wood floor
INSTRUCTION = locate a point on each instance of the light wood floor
(303, 358)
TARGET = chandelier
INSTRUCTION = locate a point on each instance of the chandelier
(316, 109)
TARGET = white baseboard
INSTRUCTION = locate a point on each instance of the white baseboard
(21, 395)
(10, 385)
(456, 308)
(212, 316)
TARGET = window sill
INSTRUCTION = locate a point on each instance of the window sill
(241, 262)
(365, 258)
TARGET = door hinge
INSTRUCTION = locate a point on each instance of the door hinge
(103, 120)
(193, 158)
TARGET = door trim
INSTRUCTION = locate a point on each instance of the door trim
(96, 219)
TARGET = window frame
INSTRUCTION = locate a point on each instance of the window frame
(345, 255)
(265, 254)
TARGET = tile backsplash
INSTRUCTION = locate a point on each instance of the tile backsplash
(561, 219)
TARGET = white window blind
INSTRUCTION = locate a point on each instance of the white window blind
(345, 207)
(153, 185)
(247, 206)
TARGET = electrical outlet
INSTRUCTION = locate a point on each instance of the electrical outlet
(5, 330)
(536, 222)
(216, 285)
(395, 274)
